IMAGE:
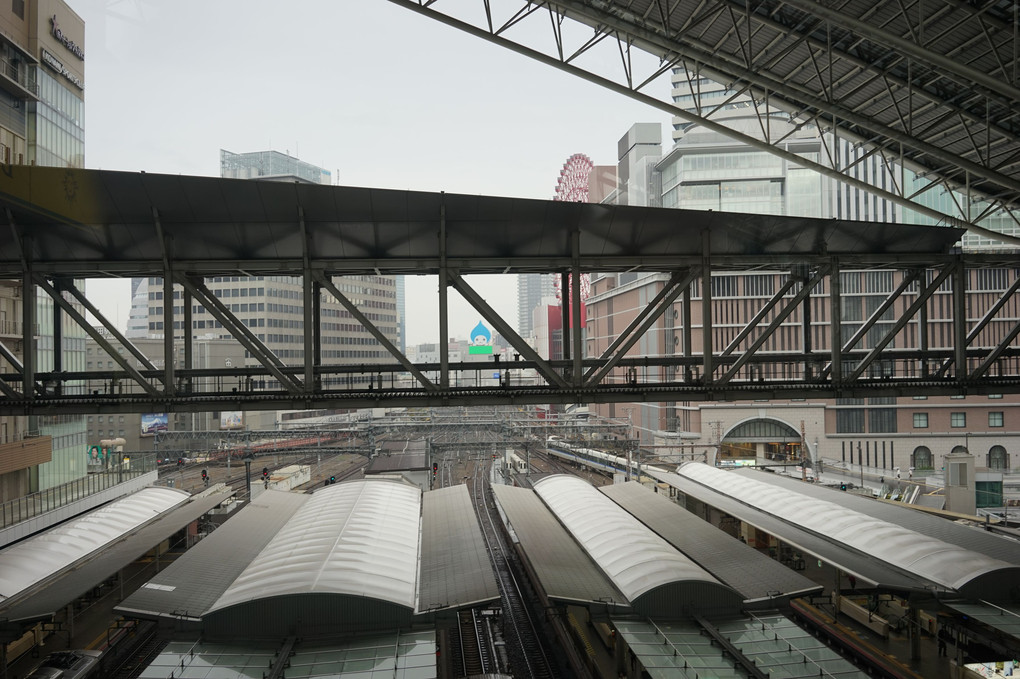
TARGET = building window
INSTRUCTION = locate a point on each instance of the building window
(995, 419)
(998, 458)
(850, 421)
(958, 420)
(882, 420)
(18, 7)
(920, 420)
(921, 458)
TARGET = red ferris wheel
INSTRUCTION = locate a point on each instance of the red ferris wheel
(572, 185)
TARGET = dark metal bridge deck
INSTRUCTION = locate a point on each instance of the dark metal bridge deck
(65, 225)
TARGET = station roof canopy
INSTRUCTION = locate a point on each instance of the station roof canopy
(892, 547)
(95, 223)
(674, 565)
(760, 580)
(42, 574)
(563, 570)
(655, 578)
(348, 557)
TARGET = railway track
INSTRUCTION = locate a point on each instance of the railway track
(133, 653)
(525, 653)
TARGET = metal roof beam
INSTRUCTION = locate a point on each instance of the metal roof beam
(938, 61)
(126, 366)
(375, 332)
(240, 332)
(687, 50)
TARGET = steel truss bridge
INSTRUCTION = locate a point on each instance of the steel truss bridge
(66, 225)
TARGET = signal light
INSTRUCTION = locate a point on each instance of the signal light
(204, 475)
(265, 472)
(842, 486)
(332, 479)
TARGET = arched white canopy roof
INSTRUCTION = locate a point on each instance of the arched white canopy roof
(38, 557)
(635, 559)
(358, 538)
(940, 562)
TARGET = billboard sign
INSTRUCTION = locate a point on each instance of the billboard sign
(232, 419)
(154, 422)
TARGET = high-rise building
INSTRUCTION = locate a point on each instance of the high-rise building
(272, 305)
(705, 170)
(42, 89)
(533, 289)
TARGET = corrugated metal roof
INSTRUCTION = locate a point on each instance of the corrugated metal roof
(748, 571)
(862, 565)
(190, 586)
(972, 561)
(70, 584)
(28, 562)
(565, 572)
(455, 566)
(357, 538)
(637, 560)
(911, 551)
(968, 537)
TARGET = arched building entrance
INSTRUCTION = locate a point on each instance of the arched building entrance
(760, 439)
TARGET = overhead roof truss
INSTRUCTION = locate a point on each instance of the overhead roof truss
(931, 86)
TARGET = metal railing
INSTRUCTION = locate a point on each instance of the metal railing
(36, 504)
(11, 71)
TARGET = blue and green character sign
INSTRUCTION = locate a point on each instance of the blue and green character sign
(481, 340)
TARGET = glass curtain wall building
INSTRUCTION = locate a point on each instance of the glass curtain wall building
(42, 84)
(706, 171)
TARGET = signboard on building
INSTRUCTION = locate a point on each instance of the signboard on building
(154, 422)
(232, 419)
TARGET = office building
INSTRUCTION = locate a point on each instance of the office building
(42, 91)
(272, 305)
(704, 170)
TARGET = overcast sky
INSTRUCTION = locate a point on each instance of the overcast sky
(373, 92)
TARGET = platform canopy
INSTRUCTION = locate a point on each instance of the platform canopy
(347, 558)
(936, 558)
(657, 579)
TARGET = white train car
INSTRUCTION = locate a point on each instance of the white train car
(592, 458)
(517, 464)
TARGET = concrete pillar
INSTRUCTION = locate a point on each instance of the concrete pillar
(914, 618)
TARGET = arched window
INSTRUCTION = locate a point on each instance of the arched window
(998, 458)
(921, 458)
(959, 450)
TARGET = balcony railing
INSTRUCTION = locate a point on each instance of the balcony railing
(36, 504)
(10, 71)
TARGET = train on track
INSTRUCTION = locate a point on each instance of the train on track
(595, 459)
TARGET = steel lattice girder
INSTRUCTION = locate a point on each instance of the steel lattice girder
(933, 86)
(185, 229)
(744, 370)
